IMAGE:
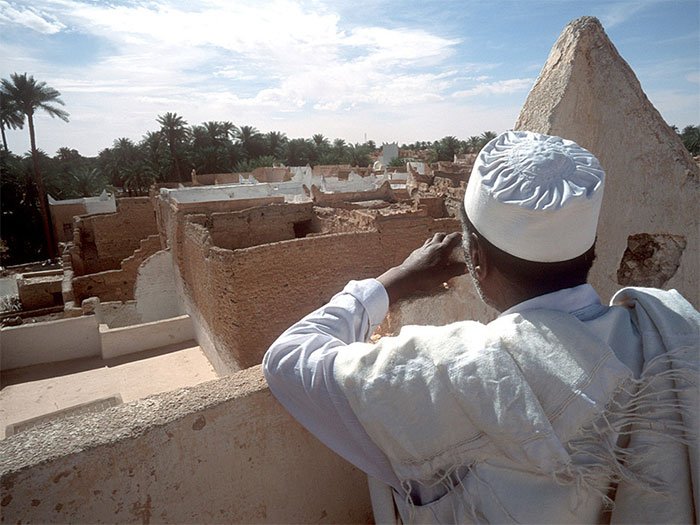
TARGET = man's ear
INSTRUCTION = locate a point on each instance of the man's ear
(478, 256)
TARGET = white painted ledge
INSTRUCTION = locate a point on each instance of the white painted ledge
(136, 338)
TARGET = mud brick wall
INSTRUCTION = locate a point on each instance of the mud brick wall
(116, 285)
(401, 234)
(435, 206)
(207, 179)
(103, 241)
(277, 222)
(170, 216)
(341, 200)
(267, 174)
(245, 298)
(267, 293)
(62, 220)
(338, 220)
(227, 178)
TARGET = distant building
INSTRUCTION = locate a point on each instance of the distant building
(62, 212)
(389, 153)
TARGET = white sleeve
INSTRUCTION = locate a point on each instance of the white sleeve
(298, 368)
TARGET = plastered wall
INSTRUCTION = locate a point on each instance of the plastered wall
(28, 344)
(155, 289)
(221, 452)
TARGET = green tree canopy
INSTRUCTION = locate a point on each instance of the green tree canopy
(29, 96)
(174, 130)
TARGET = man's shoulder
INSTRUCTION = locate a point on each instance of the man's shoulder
(656, 303)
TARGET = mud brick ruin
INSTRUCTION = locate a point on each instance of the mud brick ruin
(222, 265)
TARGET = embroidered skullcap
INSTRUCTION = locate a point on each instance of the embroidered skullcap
(536, 196)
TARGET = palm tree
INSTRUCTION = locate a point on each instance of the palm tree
(173, 129)
(218, 132)
(473, 144)
(11, 116)
(250, 140)
(229, 128)
(448, 148)
(339, 151)
(125, 162)
(486, 137)
(86, 182)
(66, 154)
(322, 145)
(691, 139)
(152, 151)
(30, 95)
(275, 140)
(358, 155)
(297, 152)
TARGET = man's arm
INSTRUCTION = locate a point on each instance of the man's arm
(299, 364)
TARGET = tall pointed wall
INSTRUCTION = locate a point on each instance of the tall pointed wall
(586, 92)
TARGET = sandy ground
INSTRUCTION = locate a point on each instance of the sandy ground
(40, 389)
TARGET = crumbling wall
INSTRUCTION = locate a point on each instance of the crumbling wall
(62, 219)
(341, 220)
(244, 298)
(650, 260)
(261, 225)
(587, 93)
(40, 289)
(340, 171)
(224, 451)
(102, 241)
(338, 199)
(116, 285)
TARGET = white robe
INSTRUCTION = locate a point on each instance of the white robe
(520, 419)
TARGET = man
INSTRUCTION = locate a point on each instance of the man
(560, 410)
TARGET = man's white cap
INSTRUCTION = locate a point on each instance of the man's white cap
(536, 196)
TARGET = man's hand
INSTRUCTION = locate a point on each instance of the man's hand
(425, 269)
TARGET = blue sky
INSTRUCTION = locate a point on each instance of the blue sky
(387, 70)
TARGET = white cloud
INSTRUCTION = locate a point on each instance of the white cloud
(619, 12)
(693, 77)
(290, 65)
(498, 87)
(31, 18)
(297, 58)
(677, 107)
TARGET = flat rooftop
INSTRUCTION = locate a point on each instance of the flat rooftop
(38, 390)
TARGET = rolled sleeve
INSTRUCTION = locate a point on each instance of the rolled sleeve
(373, 297)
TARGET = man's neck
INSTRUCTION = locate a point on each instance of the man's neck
(510, 294)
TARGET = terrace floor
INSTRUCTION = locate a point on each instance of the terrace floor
(38, 390)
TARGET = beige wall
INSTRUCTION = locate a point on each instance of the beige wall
(62, 219)
(586, 92)
(221, 452)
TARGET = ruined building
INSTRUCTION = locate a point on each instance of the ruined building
(226, 263)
